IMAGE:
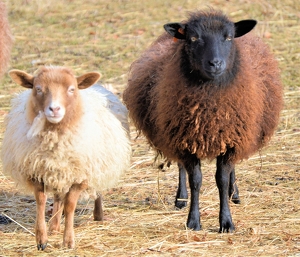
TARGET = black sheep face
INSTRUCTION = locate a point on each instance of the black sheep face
(209, 42)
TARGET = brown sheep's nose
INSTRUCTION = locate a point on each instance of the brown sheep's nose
(215, 63)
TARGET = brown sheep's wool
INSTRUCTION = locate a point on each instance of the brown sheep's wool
(205, 118)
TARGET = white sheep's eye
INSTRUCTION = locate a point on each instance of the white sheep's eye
(71, 90)
(193, 39)
(228, 38)
(39, 90)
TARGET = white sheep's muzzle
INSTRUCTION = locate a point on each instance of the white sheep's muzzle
(54, 119)
(54, 112)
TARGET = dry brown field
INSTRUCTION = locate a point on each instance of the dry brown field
(140, 217)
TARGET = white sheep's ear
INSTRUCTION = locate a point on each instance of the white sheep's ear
(243, 27)
(87, 79)
(176, 30)
(22, 78)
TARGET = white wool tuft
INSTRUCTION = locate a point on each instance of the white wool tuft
(37, 125)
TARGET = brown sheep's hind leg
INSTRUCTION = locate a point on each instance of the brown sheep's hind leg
(233, 189)
(182, 194)
(224, 168)
(195, 181)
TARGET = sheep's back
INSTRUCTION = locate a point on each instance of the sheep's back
(114, 105)
(266, 75)
(96, 150)
(143, 77)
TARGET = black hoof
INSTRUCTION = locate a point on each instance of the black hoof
(180, 203)
(194, 225)
(42, 246)
(236, 200)
(4, 220)
(227, 228)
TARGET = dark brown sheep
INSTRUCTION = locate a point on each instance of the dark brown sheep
(213, 92)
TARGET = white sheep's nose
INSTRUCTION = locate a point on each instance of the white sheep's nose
(54, 112)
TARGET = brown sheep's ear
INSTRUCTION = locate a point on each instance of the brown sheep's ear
(87, 79)
(176, 30)
(22, 78)
(243, 27)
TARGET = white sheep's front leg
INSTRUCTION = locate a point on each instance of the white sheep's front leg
(40, 224)
(54, 226)
(69, 208)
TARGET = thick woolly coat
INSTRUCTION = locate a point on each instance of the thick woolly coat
(180, 115)
(96, 149)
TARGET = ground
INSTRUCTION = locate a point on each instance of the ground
(140, 217)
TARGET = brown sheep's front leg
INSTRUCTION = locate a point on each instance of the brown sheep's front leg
(69, 208)
(40, 224)
(182, 194)
(54, 226)
(195, 181)
(224, 169)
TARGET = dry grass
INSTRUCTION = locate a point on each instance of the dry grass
(140, 218)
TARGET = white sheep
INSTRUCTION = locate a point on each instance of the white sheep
(63, 140)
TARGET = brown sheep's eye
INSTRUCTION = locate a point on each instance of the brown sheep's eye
(193, 39)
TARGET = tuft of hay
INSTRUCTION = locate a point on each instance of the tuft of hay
(139, 215)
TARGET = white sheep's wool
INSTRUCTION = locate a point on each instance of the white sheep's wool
(37, 125)
(96, 150)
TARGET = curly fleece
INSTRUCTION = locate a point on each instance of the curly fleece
(180, 115)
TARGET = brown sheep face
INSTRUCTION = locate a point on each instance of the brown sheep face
(209, 43)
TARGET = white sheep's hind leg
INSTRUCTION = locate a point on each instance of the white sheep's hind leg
(70, 203)
(98, 210)
(40, 224)
(54, 226)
